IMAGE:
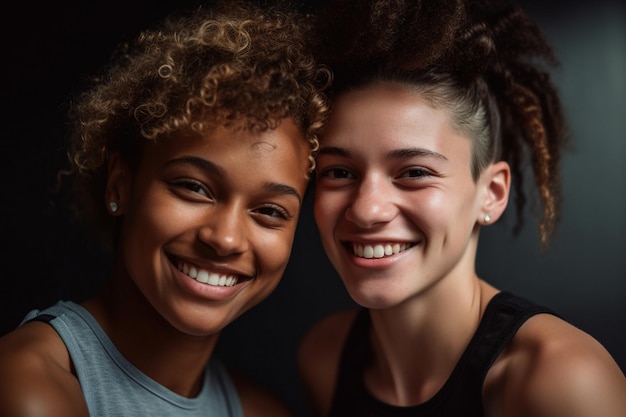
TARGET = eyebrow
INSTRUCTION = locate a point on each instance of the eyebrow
(412, 152)
(404, 153)
(214, 169)
(200, 163)
(282, 189)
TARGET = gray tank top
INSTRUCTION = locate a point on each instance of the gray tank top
(113, 387)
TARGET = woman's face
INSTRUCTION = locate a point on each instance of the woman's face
(395, 202)
(209, 223)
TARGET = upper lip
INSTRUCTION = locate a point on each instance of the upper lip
(375, 240)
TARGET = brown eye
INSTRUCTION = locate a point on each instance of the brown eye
(415, 173)
(339, 173)
(192, 186)
(274, 211)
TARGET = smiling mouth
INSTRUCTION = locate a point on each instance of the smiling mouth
(207, 277)
(380, 250)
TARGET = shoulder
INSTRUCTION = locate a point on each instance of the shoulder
(257, 400)
(319, 355)
(552, 368)
(35, 361)
(323, 342)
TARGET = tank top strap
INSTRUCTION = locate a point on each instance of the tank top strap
(503, 317)
(462, 393)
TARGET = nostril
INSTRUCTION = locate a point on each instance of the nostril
(369, 214)
(225, 237)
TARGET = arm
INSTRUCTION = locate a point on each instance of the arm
(318, 359)
(35, 375)
(557, 370)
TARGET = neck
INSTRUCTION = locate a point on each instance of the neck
(416, 345)
(172, 358)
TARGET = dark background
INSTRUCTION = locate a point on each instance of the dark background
(48, 48)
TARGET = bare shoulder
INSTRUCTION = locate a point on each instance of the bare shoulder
(257, 400)
(35, 374)
(552, 368)
(319, 355)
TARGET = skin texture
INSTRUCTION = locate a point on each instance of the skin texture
(392, 170)
(209, 201)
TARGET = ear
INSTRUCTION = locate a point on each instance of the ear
(497, 181)
(117, 193)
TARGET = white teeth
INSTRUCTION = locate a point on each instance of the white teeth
(206, 277)
(203, 276)
(214, 279)
(378, 251)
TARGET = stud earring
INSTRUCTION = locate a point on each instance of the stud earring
(487, 218)
(113, 206)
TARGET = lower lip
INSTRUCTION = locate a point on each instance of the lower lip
(206, 291)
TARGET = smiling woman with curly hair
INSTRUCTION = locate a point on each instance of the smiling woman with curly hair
(191, 154)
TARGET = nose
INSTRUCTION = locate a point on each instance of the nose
(225, 230)
(372, 204)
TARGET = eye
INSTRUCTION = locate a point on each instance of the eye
(271, 216)
(416, 172)
(192, 187)
(273, 211)
(336, 173)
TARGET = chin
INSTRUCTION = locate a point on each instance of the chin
(372, 298)
(203, 324)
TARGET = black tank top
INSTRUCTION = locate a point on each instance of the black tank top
(461, 395)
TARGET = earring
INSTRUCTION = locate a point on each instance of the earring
(487, 218)
(113, 206)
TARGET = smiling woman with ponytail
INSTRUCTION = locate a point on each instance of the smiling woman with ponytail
(438, 110)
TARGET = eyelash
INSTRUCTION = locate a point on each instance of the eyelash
(420, 171)
(331, 173)
(193, 186)
(282, 213)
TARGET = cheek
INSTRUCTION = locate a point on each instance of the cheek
(325, 209)
(433, 213)
(322, 220)
(429, 207)
(445, 211)
(318, 211)
(142, 235)
(156, 218)
(273, 249)
(149, 224)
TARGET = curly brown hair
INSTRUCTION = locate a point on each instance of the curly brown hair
(479, 59)
(232, 64)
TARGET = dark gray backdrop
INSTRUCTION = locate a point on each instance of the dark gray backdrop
(582, 276)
